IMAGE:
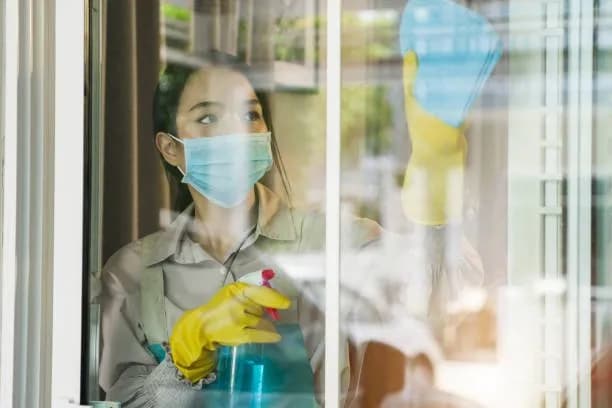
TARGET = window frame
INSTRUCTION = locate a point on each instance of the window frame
(62, 105)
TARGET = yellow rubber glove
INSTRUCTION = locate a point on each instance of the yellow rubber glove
(232, 317)
(433, 184)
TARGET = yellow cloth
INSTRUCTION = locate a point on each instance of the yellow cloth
(232, 317)
(433, 184)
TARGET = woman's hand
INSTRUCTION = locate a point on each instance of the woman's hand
(232, 317)
(433, 184)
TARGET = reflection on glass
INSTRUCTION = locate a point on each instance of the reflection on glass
(422, 275)
(480, 298)
(459, 280)
(223, 305)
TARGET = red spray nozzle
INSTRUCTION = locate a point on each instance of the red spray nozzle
(267, 274)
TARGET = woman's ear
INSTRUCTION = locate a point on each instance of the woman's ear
(169, 149)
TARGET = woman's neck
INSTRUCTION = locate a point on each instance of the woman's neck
(220, 230)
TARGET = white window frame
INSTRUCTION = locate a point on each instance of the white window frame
(332, 204)
(42, 126)
(579, 203)
(68, 200)
(9, 55)
(27, 202)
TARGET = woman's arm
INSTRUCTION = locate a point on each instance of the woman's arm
(128, 372)
(432, 198)
(153, 386)
(433, 183)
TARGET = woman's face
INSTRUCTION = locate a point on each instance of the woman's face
(218, 101)
(214, 102)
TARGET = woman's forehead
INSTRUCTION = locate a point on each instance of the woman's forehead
(217, 84)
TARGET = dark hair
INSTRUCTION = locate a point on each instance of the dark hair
(168, 92)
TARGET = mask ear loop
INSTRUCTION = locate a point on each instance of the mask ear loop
(181, 142)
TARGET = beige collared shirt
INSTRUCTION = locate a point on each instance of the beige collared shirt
(402, 276)
(281, 238)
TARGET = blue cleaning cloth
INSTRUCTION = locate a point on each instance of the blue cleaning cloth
(457, 50)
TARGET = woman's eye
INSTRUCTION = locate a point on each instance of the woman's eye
(252, 116)
(208, 119)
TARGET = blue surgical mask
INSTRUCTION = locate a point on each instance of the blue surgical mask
(225, 168)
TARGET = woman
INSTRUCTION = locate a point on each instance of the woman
(171, 299)
(177, 286)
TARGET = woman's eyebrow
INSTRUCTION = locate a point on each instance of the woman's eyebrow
(252, 102)
(205, 104)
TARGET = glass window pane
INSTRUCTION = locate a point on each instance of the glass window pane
(471, 132)
(474, 200)
(208, 178)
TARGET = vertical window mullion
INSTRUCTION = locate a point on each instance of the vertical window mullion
(9, 47)
(579, 174)
(68, 200)
(332, 205)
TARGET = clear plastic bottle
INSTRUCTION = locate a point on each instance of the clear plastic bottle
(241, 375)
(264, 375)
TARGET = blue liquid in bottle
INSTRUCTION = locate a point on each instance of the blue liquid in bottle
(264, 375)
(242, 371)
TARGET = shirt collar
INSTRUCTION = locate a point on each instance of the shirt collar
(274, 221)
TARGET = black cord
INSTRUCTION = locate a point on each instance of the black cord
(230, 262)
